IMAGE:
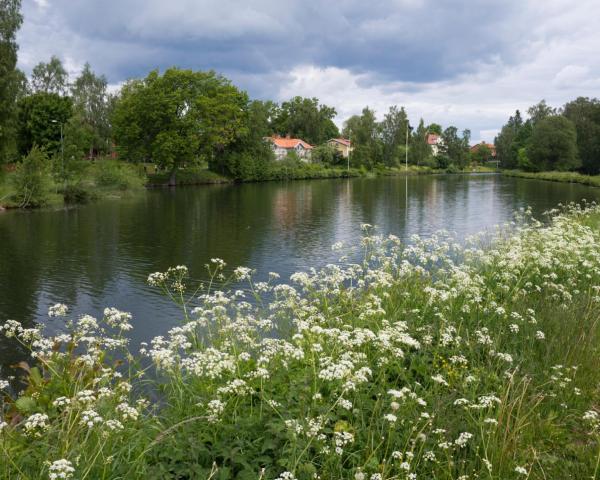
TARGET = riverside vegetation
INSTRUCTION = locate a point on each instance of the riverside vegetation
(425, 360)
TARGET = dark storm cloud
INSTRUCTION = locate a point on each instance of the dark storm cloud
(411, 40)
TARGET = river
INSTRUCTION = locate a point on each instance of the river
(100, 254)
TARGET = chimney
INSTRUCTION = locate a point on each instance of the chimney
(288, 136)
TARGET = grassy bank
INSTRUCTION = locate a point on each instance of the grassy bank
(423, 361)
(79, 182)
(567, 177)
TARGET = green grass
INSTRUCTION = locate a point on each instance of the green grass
(83, 181)
(567, 177)
(437, 360)
(187, 176)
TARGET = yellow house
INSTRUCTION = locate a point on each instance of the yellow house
(342, 145)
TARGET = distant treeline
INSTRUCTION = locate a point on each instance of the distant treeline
(566, 138)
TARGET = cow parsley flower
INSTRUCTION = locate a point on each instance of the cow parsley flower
(61, 469)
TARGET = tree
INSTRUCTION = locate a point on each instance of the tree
(32, 180)
(435, 128)
(178, 117)
(420, 151)
(249, 157)
(364, 130)
(553, 145)
(456, 148)
(393, 130)
(585, 114)
(539, 112)
(305, 118)
(49, 77)
(40, 117)
(513, 136)
(481, 154)
(91, 105)
(10, 22)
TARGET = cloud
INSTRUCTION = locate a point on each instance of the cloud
(468, 63)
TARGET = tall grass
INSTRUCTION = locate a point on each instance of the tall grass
(428, 360)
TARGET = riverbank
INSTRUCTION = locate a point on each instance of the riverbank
(79, 182)
(409, 363)
(103, 178)
(565, 177)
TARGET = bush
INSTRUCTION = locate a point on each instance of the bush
(32, 181)
(112, 173)
(75, 193)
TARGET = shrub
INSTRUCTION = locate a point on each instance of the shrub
(31, 180)
(116, 174)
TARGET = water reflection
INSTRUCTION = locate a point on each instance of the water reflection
(100, 255)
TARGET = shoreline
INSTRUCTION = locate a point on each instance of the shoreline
(554, 176)
(207, 177)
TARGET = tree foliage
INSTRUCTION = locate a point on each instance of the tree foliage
(420, 152)
(180, 116)
(10, 22)
(585, 114)
(50, 77)
(394, 130)
(91, 105)
(364, 131)
(553, 145)
(455, 147)
(481, 154)
(32, 180)
(305, 118)
(40, 117)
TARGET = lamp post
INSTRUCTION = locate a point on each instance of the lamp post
(62, 148)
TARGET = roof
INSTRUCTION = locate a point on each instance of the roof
(433, 139)
(289, 143)
(489, 145)
(343, 141)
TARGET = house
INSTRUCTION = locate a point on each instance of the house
(435, 141)
(342, 145)
(492, 148)
(282, 146)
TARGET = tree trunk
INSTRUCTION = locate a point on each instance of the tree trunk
(173, 177)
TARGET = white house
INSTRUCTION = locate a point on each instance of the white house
(435, 141)
(282, 146)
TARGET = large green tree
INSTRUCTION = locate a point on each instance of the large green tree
(40, 118)
(248, 157)
(305, 118)
(365, 134)
(585, 114)
(394, 129)
(420, 151)
(553, 145)
(50, 77)
(91, 106)
(178, 117)
(514, 136)
(10, 21)
(455, 147)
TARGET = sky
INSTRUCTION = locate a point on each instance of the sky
(468, 63)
